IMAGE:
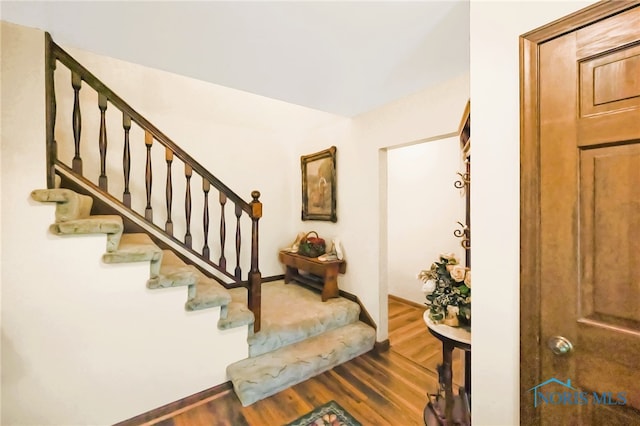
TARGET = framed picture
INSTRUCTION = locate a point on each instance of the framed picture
(319, 185)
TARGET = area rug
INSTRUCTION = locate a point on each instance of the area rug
(329, 414)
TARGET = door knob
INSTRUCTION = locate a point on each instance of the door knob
(559, 345)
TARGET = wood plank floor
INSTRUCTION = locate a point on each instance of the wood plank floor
(410, 338)
(388, 388)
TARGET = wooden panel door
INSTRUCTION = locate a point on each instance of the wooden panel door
(580, 306)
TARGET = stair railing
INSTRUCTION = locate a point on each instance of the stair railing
(56, 55)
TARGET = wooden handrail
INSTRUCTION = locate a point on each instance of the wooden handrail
(66, 170)
(60, 54)
(106, 96)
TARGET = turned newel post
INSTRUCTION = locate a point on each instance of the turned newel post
(126, 159)
(168, 226)
(206, 186)
(76, 83)
(188, 171)
(148, 176)
(255, 278)
(223, 230)
(238, 271)
(102, 142)
(50, 94)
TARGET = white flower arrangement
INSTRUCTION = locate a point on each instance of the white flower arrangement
(447, 286)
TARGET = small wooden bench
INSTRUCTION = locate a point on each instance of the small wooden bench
(327, 272)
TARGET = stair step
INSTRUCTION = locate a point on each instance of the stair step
(257, 378)
(206, 293)
(173, 272)
(97, 224)
(107, 224)
(236, 313)
(285, 323)
(69, 204)
(136, 248)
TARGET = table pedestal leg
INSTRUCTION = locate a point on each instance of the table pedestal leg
(447, 372)
(330, 286)
(467, 374)
(289, 274)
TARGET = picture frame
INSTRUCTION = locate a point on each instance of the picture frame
(319, 185)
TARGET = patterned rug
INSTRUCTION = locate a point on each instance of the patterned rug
(329, 414)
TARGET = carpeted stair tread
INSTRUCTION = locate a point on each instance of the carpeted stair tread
(292, 313)
(134, 248)
(259, 377)
(97, 224)
(236, 313)
(69, 204)
(206, 293)
(173, 272)
(107, 224)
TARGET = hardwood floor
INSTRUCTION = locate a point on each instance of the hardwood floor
(410, 338)
(388, 388)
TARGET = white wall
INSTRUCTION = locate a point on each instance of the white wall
(361, 177)
(495, 28)
(423, 208)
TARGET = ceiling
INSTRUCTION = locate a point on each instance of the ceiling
(340, 57)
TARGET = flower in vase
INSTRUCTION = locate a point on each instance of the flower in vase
(447, 286)
(428, 286)
(458, 273)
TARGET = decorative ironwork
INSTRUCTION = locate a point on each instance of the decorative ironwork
(465, 234)
(463, 182)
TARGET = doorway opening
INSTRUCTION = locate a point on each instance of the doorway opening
(420, 210)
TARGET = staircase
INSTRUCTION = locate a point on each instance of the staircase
(300, 337)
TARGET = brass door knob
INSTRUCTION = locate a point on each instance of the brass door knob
(559, 345)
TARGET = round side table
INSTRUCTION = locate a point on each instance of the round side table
(451, 338)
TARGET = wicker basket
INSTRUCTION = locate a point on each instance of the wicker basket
(312, 246)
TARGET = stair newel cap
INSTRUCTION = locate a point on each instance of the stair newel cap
(256, 205)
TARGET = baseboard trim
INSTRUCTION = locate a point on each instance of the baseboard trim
(272, 278)
(364, 314)
(173, 408)
(407, 302)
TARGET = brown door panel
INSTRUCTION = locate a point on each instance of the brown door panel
(581, 220)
